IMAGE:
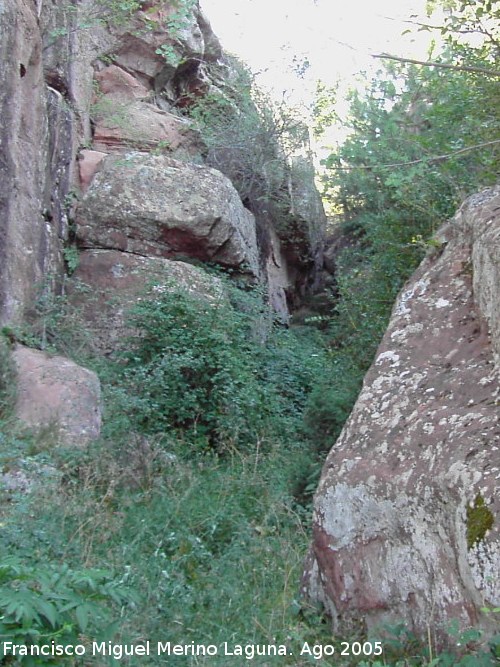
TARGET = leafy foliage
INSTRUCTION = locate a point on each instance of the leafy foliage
(255, 142)
(39, 604)
(403, 169)
(7, 377)
(222, 376)
(54, 323)
(248, 136)
(462, 19)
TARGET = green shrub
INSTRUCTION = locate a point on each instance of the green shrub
(44, 604)
(194, 368)
(218, 375)
(7, 378)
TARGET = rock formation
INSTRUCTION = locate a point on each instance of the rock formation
(58, 396)
(407, 513)
(88, 83)
(119, 280)
(34, 142)
(96, 151)
(153, 205)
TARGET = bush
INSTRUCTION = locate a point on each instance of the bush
(7, 379)
(218, 376)
(193, 367)
(44, 604)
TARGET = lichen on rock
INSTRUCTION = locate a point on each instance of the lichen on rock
(404, 521)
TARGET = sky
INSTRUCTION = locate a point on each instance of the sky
(336, 37)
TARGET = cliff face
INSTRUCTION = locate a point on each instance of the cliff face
(406, 516)
(32, 149)
(86, 90)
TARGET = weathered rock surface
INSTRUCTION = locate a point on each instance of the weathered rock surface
(141, 42)
(309, 218)
(156, 206)
(478, 218)
(57, 395)
(142, 126)
(45, 94)
(124, 118)
(407, 513)
(28, 230)
(280, 278)
(113, 86)
(88, 164)
(116, 83)
(118, 280)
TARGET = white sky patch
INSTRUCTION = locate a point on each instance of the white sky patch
(335, 37)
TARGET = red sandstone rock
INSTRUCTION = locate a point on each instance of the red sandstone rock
(56, 394)
(153, 205)
(143, 127)
(116, 82)
(422, 445)
(118, 280)
(88, 164)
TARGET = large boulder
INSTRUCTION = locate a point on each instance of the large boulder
(407, 514)
(156, 206)
(56, 395)
(108, 283)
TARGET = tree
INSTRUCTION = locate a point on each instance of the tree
(419, 140)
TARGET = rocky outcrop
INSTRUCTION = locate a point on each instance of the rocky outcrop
(95, 150)
(407, 513)
(156, 206)
(478, 220)
(124, 117)
(99, 77)
(124, 126)
(280, 277)
(57, 396)
(307, 222)
(45, 95)
(30, 155)
(162, 41)
(108, 283)
(49, 51)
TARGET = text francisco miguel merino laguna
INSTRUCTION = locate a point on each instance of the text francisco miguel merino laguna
(119, 651)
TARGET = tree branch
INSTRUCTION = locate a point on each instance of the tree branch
(457, 68)
(436, 158)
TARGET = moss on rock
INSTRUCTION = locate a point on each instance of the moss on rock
(479, 520)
